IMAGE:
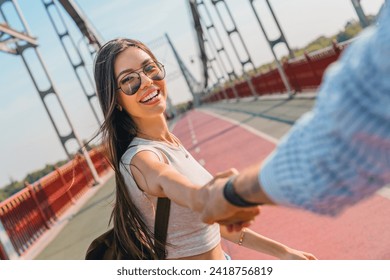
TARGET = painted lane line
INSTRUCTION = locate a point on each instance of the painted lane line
(247, 127)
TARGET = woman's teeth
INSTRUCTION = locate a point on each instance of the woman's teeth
(149, 97)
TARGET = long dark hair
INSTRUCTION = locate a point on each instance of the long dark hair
(132, 236)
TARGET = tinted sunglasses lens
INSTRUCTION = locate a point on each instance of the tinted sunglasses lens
(132, 85)
(132, 89)
(160, 75)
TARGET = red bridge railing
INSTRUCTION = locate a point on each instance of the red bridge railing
(29, 213)
(304, 73)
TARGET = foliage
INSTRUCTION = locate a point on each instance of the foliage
(317, 44)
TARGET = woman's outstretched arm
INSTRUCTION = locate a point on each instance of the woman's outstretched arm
(252, 240)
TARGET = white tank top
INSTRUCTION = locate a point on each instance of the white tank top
(187, 234)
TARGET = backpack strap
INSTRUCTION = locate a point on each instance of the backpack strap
(161, 226)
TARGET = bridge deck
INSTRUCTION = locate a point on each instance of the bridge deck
(228, 135)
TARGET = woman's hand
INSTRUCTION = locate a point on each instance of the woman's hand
(292, 254)
(215, 208)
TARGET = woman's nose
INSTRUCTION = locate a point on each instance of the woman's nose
(145, 80)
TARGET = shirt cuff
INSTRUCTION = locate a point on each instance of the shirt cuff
(269, 183)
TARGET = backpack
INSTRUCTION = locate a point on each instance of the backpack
(104, 248)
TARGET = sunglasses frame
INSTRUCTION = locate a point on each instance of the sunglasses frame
(142, 69)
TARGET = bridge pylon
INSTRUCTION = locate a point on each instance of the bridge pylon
(230, 33)
(17, 43)
(216, 50)
(85, 80)
(272, 44)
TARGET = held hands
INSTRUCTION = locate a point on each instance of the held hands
(214, 208)
(217, 209)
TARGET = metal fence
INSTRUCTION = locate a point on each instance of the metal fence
(29, 213)
(304, 73)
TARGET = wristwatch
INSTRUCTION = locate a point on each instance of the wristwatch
(233, 197)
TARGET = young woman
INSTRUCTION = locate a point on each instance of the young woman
(150, 162)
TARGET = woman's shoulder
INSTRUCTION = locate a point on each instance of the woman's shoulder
(138, 145)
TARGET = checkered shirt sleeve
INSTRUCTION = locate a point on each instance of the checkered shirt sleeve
(339, 153)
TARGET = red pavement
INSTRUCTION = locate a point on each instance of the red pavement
(361, 232)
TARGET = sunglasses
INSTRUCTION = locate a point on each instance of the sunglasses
(131, 83)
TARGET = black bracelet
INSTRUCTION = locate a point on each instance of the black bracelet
(230, 195)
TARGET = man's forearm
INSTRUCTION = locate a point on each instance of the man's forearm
(247, 186)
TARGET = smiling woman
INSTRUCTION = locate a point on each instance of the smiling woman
(151, 163)
(145, 155)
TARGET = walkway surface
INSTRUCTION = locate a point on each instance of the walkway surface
(231, 134)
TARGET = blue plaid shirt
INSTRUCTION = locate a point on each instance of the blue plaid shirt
(339, 153)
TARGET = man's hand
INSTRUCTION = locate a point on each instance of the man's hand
(217, 209)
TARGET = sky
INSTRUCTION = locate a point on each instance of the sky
(28, 140)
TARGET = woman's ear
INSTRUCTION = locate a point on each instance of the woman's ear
(119, 107)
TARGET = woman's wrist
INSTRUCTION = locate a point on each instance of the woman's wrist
(198, 197)
(284, 253)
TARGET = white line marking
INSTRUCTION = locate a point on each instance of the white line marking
(247, 127)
